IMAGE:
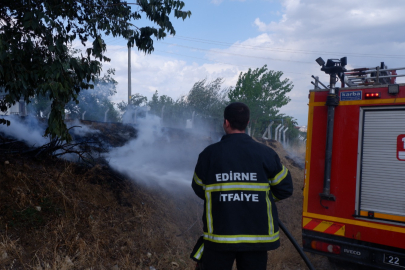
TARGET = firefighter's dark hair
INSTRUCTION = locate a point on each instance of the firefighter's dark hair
(237, 113)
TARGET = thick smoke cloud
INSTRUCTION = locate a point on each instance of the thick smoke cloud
(31, 130)
(163, 157)
(28, 130)
(158, 156)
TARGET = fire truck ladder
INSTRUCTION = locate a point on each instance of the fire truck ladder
(371, 76)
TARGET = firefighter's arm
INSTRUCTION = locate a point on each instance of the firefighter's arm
(281, 183)
(198, 184)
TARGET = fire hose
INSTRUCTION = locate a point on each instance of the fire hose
(295, 244)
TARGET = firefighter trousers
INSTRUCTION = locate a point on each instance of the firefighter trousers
(223, 260)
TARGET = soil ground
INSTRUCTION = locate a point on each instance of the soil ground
(56, 214)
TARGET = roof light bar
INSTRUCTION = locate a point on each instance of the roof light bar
(372, 95)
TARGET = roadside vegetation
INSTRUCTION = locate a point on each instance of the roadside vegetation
(78, 212)
(58, 214)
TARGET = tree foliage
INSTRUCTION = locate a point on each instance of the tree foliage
(96, 102)
(171, 112)
(39, 106)
(3, 108)
(137, 100)
(159, 103)
(34, 40)
(288, 122)
(206, 100)
(264, 92)
(93, 102)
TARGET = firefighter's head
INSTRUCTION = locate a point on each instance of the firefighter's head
(236, 117)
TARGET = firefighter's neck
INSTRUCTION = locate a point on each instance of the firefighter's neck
(229, 130)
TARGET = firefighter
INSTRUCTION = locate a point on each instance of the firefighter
(239, 180)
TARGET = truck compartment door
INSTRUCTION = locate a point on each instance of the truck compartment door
(381, 173)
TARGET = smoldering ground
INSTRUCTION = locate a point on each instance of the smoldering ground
(26, 135)
(31, 130)
(158, 156)
(296, 153)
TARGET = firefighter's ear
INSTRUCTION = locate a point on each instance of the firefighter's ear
(227, 126)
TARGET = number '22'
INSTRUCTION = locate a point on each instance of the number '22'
(393, 260)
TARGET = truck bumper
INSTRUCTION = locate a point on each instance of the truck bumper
(355, 251)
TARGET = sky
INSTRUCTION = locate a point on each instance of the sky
(223, 38)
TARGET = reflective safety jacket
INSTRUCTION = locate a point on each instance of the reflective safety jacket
(239, 180)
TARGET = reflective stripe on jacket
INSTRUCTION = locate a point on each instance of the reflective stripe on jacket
(240, 180)
(198, 250)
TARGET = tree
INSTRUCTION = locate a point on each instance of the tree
(207, 99)
(264, 92)
(136, 109)
(95, 102)
(288, 122)
(171, 112)
(137, 100)
(3, 108)
(34, 39)
(38, 104)
(158, 103)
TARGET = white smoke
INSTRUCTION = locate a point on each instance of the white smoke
(131, 114)
(31, 131)
(27, 129)
(77, 128)
(154, 158)
(296, 153)
(158, 156)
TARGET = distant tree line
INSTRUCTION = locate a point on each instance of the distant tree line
(261, 89)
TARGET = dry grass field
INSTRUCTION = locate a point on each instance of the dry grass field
(55, 214)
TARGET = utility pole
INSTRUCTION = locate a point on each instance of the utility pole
(129, 75)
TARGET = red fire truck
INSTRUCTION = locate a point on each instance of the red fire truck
(354, 193)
